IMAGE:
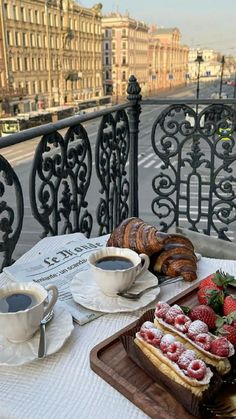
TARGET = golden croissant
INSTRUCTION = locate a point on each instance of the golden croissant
(170, 254)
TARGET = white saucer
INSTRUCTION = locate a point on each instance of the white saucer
(57, 331)
(86, 292)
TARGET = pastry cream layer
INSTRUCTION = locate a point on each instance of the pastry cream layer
(164, 365)
(221, 364)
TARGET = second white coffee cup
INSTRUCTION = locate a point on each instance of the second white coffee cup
(116, 269)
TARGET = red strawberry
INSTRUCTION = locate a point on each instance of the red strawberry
(212, 297)
(219, 279)
(208, 281)
(220, 347)
(229, 305)
(229, 332)
(204, 313)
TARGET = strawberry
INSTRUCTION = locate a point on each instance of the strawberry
(220, 347)
(229, 305)
(212, 297)
(229, 332)
(219, 279)
(204, 313)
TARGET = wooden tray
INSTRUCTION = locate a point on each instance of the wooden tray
(110, 361)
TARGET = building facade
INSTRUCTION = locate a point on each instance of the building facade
(210, 66)
(51, 51)
(125, 52)
(168, 59)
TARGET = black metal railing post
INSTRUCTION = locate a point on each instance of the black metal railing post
(134, 111)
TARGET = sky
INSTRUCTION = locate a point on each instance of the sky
(202, 23)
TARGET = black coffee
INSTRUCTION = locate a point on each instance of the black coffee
(19, 301)
(112, 263)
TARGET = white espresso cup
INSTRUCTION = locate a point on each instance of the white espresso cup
(22, 307)
(116, 269)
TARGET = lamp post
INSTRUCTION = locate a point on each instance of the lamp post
(198, 60)
(221, 76)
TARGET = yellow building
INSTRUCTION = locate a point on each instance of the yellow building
(52, 50)
(125, 52)
(168, 59)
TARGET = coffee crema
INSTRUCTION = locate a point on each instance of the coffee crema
(19, 301)
(112, 263)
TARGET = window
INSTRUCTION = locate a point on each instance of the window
(106, 33)
(30, 16)
(113, 32)
(106, 46)
(113, 45)
(9, 38)
(124, 45)
(123, 76)
(123, 32)
(36, 14)
(24, 39)
(124, 60)
(26, 63)
(17, 39)
(6, 10)
(15, 17)
(22, 14)
(107, 60)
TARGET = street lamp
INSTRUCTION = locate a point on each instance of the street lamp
(221, 76)
(198, 60)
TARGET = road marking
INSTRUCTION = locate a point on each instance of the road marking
(22, 158)
(149, 164)
(145, 158)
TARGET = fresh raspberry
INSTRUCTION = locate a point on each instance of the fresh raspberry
(204, 341)
(185, 358)
(182, 323)
(147, 325)
(172, 313)
(196, 369)
(161, 309)
(196, 327)
(174, 351)
(220, 347)
(151, 334)
(205, 314)
(166, 342)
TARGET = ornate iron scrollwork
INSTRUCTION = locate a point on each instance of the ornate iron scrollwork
(61, 174)
(197, 149)
(10, 219)
(111, 156)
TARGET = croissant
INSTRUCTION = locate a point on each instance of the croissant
(170, 254)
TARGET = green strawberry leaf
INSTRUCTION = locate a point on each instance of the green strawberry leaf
(219, 321)
(186, 309)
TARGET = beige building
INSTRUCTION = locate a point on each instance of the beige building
(125, 52)
(168, 59)
(51, 51)
(210, 66)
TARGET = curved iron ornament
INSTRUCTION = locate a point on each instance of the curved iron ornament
(197, 150)
(10, 219)
(111, 156)
(59, 181)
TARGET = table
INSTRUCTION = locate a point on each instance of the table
(63, 385)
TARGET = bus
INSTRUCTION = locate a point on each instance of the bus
(93, 103)
(18, 123)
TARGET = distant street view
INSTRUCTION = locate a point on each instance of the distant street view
(64, 58)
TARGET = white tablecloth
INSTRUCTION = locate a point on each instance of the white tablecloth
(62, 386)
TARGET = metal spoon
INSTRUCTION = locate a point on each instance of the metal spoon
(133, 296)
(42, 339)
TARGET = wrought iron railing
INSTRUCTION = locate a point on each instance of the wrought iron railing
(194, 144)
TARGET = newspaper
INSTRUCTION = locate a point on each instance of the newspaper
(58, 266)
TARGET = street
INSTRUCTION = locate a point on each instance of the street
(20, 157)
